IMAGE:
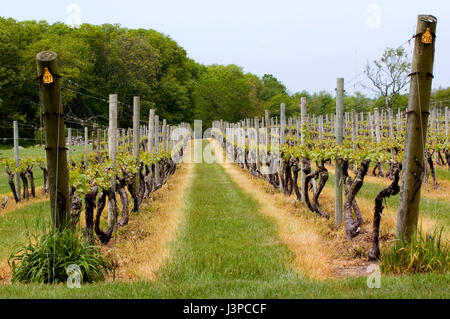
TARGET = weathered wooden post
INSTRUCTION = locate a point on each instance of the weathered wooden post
(282, 129)
(377, 125)
(55, 144)
(258, 167)
(164, 125)
(16, 155)
(151, 130)
(99, 145)
(157, 175)
(446, 114)
(136, 135)
(303, 120)
(339, 132)
(416, 126)
(112, 150)
(266, 114)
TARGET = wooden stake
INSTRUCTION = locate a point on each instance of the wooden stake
(339, 132)
(112, 148)
(151, 130)
(416, 126)
(55, 144)
(16, 155)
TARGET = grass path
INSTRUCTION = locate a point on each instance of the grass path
(226, 247)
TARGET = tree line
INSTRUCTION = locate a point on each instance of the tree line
(96, 60)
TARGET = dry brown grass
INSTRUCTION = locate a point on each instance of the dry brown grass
(141, 248)
(427, 191)
(320, 248)
(5, 272)
(12, 205)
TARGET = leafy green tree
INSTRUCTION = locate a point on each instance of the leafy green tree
(389, 74)
(222, 92)
(271, 87)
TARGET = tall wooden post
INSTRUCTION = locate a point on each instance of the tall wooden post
(282, 129)
(99, 145)
(151, 130)
(157, 175)
(446, 114)
(339, 132)
(282, 123)
(266, 113)
(377, 125)
(16, 155)
(136, 135)
(391, 120)
(416, 126)
(55, 144)
(112, 148)
(164, 125)
(303, 119)
(258, 167)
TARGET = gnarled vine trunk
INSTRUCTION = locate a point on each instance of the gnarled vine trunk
(105, 236)
(309, 176)
(26, 193)
(12, 185)
(352, 187)
(391, 190)
(29, 172)
(89, 202)
(76, 205)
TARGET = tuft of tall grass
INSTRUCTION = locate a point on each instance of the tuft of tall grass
(423, 253)
(45, 258)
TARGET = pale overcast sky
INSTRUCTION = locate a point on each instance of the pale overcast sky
(305, 44)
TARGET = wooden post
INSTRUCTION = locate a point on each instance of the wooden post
(55, 144)
(391, 122)
(377, 125)
(112, 147)
(69, 143)
(282, 123)
(151, 130)
(164, 125)
(266, 113)
(354, 119)
(303, 119)
(416, 126)
(157, 175)
(282, 128)
(99, 146)
(339, 132)
(136, 135)
(86, 148)
(258, 167)
(16, 155)
(446, 114)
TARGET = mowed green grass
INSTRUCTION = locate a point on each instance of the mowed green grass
(28, 152)
(226, 249)
(15, 226)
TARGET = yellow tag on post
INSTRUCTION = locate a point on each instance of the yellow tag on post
(427, 38)
(47, 77)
